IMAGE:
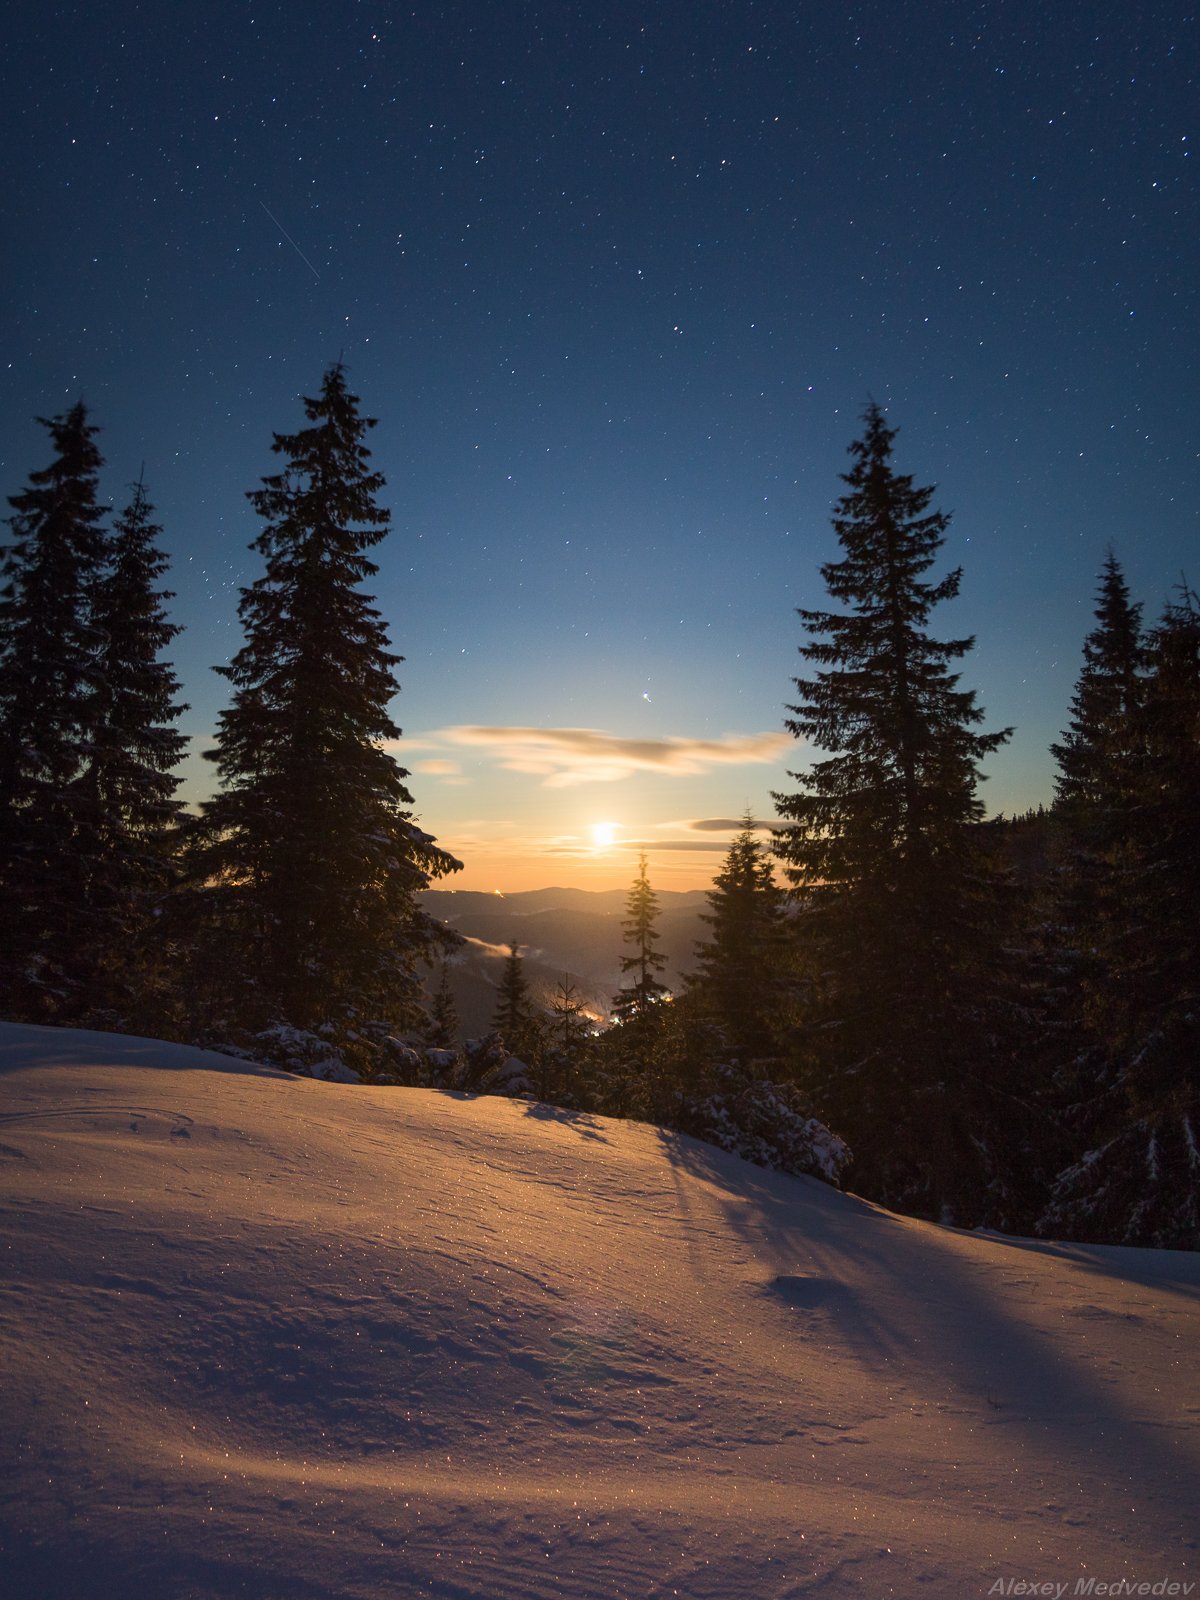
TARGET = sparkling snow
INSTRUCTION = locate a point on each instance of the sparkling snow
(267, 1337)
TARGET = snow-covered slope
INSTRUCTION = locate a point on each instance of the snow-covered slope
(267, 1337)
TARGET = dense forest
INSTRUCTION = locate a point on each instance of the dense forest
(991, 1023)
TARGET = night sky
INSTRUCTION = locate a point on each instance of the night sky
(618, 281)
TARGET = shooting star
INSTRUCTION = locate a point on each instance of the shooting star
(290, 240)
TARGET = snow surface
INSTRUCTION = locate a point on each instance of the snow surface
(269, 1337)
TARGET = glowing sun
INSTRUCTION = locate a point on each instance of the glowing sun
(603, 834)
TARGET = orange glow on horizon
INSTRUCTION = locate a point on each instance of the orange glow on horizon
(516, 866)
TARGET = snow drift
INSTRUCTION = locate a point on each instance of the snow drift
(268, 1337)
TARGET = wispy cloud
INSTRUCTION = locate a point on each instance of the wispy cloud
(562, 757)
(580, 849)
(727, 825)
(438, 767)
(718, 847)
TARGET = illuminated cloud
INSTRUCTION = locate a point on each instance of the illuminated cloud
(651, 845)
(581, 850)
(727, 825)
(438, 767)
(562, 757)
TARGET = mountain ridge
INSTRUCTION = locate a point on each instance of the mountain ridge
(574, 933)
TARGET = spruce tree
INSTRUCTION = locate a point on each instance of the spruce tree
(566, 1046)
(635, 1067)
(48, 702)
(915, 1026)
(1099, 757)
(130, 781)
(310, 854)
(513, 1013)
(570, 1025)
(1137, 1179)
(1095, 752)
(742, 970)
(638, 1000)
(443, 1030)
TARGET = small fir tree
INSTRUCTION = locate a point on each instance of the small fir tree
(741, 977)
(514, 1012)
(565, 1051)
(48, 705)
(636, 1067)
(638, 1000)
(570, 1026)
(916, 1024)
(310, 856)
(443, 1031)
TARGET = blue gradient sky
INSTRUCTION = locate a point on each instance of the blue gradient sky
(617, 280)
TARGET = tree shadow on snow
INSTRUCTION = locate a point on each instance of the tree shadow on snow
(584, 1124)
(938, 1304)
(1175, 1270)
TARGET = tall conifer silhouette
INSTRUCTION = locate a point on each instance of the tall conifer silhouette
(1097, 800)
(1136, 1179)
(130, 780)
(48, 704)
(882, 847)
(312, 857)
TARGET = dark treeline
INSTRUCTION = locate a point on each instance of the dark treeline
(997, 1020)
(285, 917)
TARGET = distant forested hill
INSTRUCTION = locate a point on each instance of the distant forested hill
(577, 931)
